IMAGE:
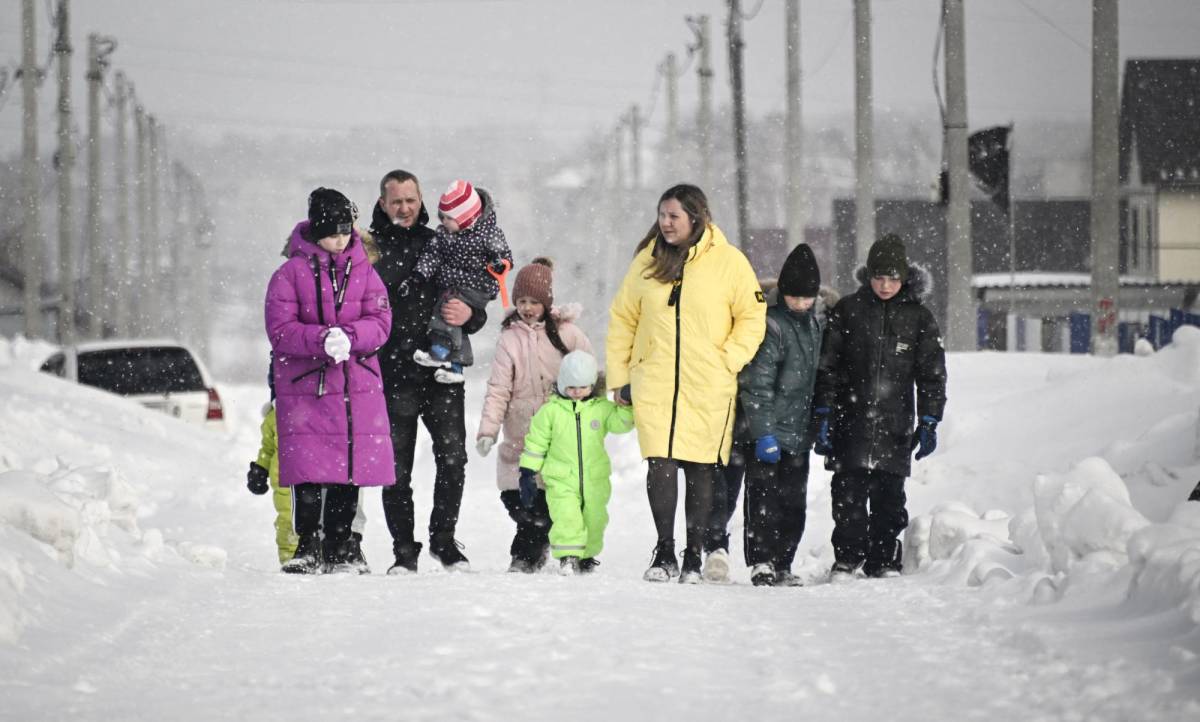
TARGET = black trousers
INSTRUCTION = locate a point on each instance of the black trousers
(775, 509)
(440, 408)
(868, 514)
(662, 487)
(327, 508)
(533, 525)
(727, 487)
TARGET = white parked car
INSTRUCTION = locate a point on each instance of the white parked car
(159, 374)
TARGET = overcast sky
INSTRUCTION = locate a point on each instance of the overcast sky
(564, 66)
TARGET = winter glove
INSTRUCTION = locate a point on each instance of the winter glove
(767, 449)
(626, 393)
(1195, 494)
(257, 479)
(925, 437)
(528, 483)
(484, 444)
(337, 345)
(822, 445)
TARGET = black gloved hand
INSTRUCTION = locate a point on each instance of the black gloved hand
(925, 437)
(822, 443)
(257, 479)
(626, 393)
(528, 483)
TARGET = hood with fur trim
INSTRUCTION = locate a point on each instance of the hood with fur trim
(918, 287)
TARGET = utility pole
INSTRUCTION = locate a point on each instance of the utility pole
(704, 114)
(31, 232)
(66, 164)
(619, 156)
(1104, 217)
(140, 257)
(960, 302)
(151, 246)
(635, 140)
(119, 296)
(864, 134)
(739, 121)
(793, 131)
(98, 52)
(672, 150)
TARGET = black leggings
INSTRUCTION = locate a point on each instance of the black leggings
(328, 508)
(662, 486)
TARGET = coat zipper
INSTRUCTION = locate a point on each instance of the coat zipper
(339, 296)
(875, 390)
(579, 449)
(676, 300)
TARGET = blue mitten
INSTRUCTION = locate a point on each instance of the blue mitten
(767, 449)
(822, 445)
(528, 483)
(925, 437)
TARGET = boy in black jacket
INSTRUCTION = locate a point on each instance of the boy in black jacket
(880, 343)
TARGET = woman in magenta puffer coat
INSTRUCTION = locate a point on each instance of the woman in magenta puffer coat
(531, 346)
(327, 314)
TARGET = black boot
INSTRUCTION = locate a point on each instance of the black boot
(307, 559)
(406, 558)
(689, 573)
(354, 555)
(662, 562)
(448, 551)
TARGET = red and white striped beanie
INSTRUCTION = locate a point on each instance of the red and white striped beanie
(461, 202)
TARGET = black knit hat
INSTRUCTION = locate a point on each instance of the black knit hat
(887, 257)
(329, 212)
(800, 275)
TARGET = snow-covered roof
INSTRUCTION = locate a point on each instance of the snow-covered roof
(1069, 280)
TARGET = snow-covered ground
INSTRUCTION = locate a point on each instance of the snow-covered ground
(1053, 573)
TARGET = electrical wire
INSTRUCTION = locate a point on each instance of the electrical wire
(1040, 16)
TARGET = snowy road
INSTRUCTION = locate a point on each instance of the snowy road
(138, 580)
(437, 647)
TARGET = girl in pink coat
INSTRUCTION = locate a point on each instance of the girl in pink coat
(534, 339)
(327, 314)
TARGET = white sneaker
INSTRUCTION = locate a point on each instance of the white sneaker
(716, 566)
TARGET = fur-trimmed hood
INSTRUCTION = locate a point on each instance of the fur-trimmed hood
(918, 287)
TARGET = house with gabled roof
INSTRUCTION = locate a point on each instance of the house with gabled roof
(1160, 169)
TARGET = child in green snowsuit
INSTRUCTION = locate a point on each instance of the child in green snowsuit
(566, 444)
(264, 471)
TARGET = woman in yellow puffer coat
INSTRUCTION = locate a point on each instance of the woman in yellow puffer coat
(688, 316)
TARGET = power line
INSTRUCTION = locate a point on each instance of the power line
(1040, 16)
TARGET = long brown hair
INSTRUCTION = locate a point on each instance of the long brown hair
(667, 260)
(551, 328)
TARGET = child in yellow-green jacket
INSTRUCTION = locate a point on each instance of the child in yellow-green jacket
(566, 444)
(264, 475)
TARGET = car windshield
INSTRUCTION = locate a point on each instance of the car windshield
(151, 370)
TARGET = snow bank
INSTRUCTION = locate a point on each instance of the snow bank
(80, 472)
(1114, 518)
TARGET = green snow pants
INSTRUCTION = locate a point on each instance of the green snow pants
(285, 535)
(578, 517)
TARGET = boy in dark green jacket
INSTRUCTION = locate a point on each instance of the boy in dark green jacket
(566, 444)
(775, 390)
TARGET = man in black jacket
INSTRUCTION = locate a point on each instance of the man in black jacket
(880, 342)
(399, 226)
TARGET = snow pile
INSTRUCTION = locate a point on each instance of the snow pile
(1086, 529)
(68, 504)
